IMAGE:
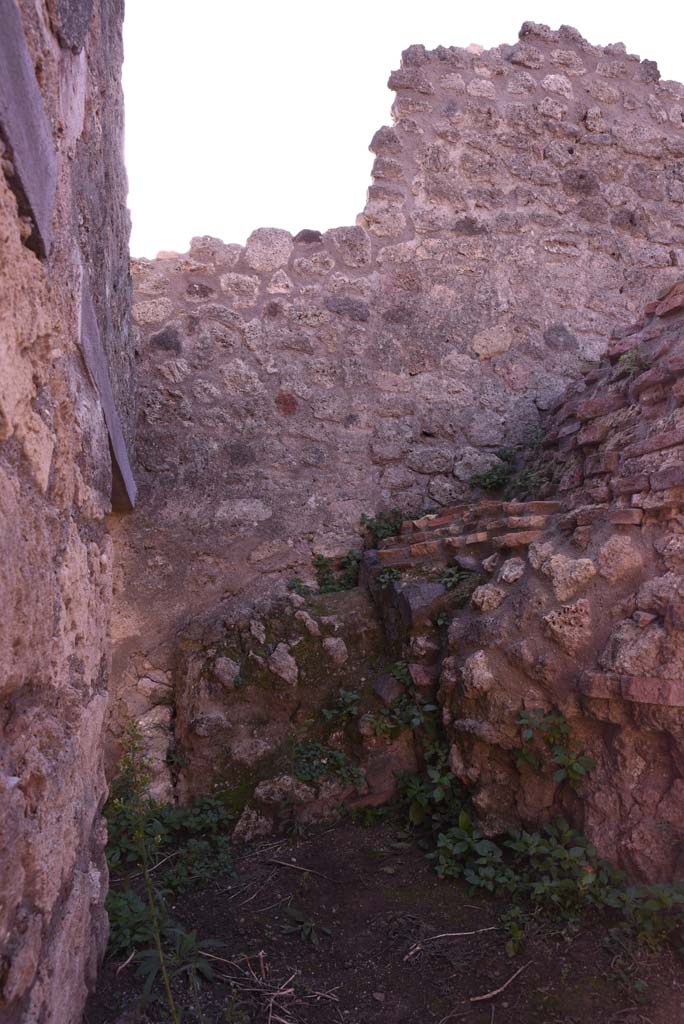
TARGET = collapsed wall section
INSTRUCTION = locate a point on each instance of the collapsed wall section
(525, 200)
(66, 400)
(576, 608)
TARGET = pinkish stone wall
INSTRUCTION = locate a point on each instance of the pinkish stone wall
(580, 609)
(56, 487)
(525, 200)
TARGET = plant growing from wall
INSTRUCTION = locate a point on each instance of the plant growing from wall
(461, 583)
(384, 524)
(343, 575)
(541, 730)
(498, 475)
(388, 576)
(314, 761)
(346, 708)
(411, 710)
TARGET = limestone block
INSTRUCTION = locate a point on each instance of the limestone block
(283, 665)
(268, 249)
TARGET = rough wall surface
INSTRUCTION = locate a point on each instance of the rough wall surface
(579, 610)
(571, 605)
(526, 200)
(55, 487)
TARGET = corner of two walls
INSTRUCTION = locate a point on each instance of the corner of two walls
(526, 200)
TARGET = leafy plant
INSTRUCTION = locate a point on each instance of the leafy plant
(182, 960)
(130, 923)
(632, 362)
(384, 524)
(133, 799)
(527, 481)
(313, 762)
(388, 576)
(498, 475)
(410, 710)
(303, 926)
(452, 576)
(343, 575)
(514, 923)
(190, 844)
(461, 583)
(572, 766)
(298, 586)
(554, 730)
(346, 707)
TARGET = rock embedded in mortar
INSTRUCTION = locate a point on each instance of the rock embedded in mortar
(283, 665)
(488, 597)
(336, 649)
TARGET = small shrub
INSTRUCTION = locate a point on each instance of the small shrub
(304, 926)
(332, 579)
(632, 362)
(345, 709)
(313, 761)
(297, 585)
(130, 923)
(385, 524)
(498, 475)
(388, 576)
(554, 730)
(461, 583)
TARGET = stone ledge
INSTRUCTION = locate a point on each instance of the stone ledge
(635, 689)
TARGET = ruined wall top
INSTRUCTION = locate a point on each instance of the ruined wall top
(525, 202)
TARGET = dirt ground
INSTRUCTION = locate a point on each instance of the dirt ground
(365, 912)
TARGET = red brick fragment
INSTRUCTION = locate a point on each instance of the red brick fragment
(630, 484)
(397, 557)
(513, 508)
(599, 685)
(652, 378)
(594, 432)
(517, 540)
(605, 462)
(653, 690)
(673, 304)
(426, 549)
(672, 476)
(625, 516)
(601, 405)
(655, 443)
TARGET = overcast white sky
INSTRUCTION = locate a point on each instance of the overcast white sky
(258, 113)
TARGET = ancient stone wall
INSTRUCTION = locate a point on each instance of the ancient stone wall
(579, 610)
(66, 397)
(525, 200)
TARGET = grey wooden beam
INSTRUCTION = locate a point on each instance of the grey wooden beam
(124, 489)
(25, 129)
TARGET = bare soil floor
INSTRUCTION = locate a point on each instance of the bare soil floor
(376, 908)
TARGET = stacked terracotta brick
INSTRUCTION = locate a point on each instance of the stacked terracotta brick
(583, 610)
(610, 442)
(496, 524)
(618, 438)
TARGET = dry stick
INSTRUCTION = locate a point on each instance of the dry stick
(447, 935)
(257, 891)
(125, 963)
(502, 988)
(157, 865)
(296, 867)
